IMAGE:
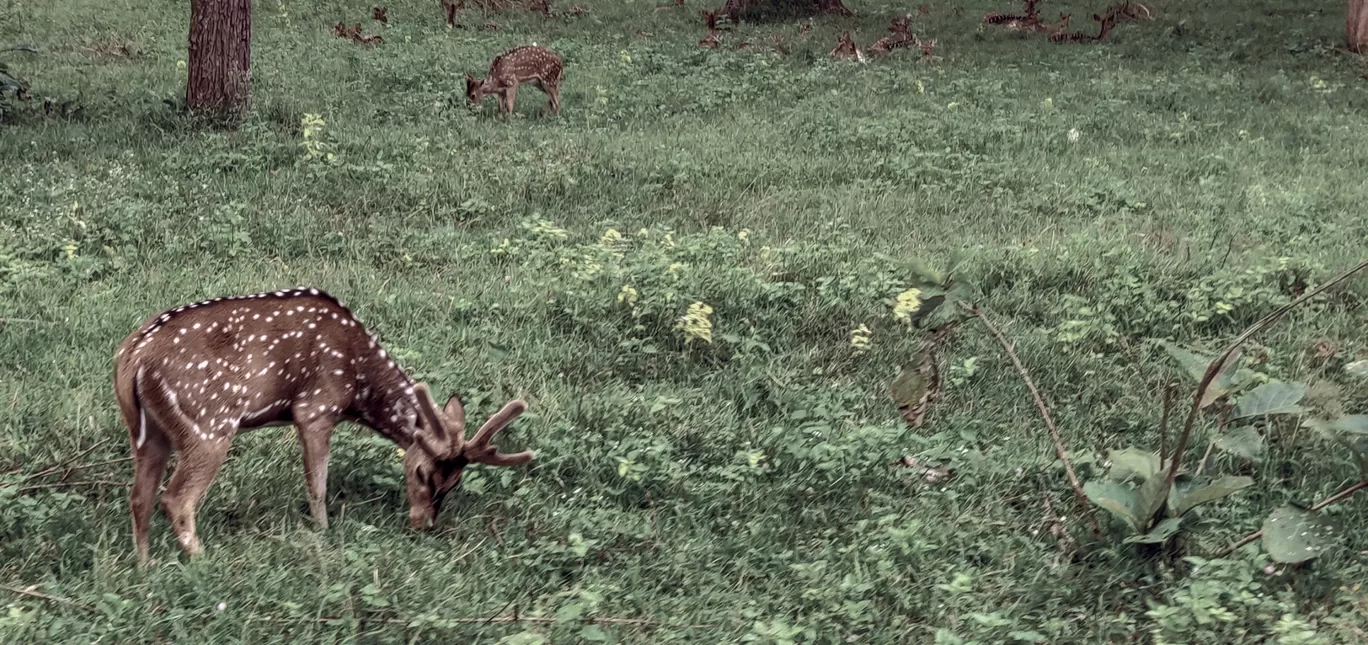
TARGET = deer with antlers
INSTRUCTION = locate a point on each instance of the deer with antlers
(191, 379)
(526, 64)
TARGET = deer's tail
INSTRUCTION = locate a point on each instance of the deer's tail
(127, 371)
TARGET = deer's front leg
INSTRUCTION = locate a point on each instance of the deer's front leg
(314, 436)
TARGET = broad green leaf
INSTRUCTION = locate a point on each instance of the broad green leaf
(1118, 498)
(1196, 366)
(1184, 500)
(1242, 442)
(1150, 498)
(1355, 424)
(1159, 534)
(1351, 431)
(1133, 461)
(1273, 397)
(1294, 535)
(1351, 424)
(1358, 368)
(594, 634)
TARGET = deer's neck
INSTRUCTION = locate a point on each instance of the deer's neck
(385, 401)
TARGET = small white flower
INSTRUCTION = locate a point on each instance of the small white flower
(221, 606)
(1074, 135)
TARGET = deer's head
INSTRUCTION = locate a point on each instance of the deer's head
(440, 452)
(474, 89)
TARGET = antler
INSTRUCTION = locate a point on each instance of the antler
(448, 430)
(479, 449)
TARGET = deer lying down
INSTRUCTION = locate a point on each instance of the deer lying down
(192, 378)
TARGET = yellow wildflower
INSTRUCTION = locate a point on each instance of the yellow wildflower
(907, 304)
(610, 237)
(695, 324)
(744, 235)
(628, 294)
(859, 338)
(674, 268)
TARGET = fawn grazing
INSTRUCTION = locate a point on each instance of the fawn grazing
(529, 63)
(190, 379)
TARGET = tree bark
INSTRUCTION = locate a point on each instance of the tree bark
(220, 78)
(1356, 27)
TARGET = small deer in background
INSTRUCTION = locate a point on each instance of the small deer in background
(1059, 31)
(529, 63)
(845, 49)
(1015, 22)
(1106, 22)
(190, 379)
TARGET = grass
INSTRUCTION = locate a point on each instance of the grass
(738, 490)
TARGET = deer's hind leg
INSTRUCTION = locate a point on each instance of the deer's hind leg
(550, 86)
(510, 94)
(202, 448)
(150, 452)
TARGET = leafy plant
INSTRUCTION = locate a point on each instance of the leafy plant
(1134, 492)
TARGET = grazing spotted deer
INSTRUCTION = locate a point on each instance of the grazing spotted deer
(190, 379)
(528, 63)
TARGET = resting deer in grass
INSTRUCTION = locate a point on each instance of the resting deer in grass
(1059, 31)
(527, 64)
(1106, 23)
(1014, 22)
(192, 378)
(845, 49)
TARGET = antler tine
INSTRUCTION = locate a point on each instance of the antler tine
(503, 417)
(428, 408)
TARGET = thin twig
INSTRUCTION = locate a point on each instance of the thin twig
(58, 467)
(1218, 364)
(499, 619)
(1322, 504)
(1044, 414)
(35, 594)
(67, 470)
(89, 482)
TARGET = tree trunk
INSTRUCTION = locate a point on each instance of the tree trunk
(220, 79)
(1356, 27)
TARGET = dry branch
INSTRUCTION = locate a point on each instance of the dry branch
(42, 596)
(1044, 414)
(1322, 504)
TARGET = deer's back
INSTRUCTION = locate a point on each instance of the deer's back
(527, 62)
(295, 335)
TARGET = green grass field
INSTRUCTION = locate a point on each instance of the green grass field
(738, 490)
